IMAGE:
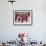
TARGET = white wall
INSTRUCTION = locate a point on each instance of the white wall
(38, 30)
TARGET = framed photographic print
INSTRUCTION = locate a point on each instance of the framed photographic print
(22, 17)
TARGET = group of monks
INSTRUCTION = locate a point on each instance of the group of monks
(22, 16)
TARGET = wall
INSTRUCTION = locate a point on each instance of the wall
(37, 31)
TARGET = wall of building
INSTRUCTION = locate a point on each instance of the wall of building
(8, 31)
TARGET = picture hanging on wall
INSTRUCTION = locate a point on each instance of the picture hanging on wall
(22, 17)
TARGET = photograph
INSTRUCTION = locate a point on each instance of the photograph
(22, 17)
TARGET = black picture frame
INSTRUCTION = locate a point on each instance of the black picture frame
(19, 24)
